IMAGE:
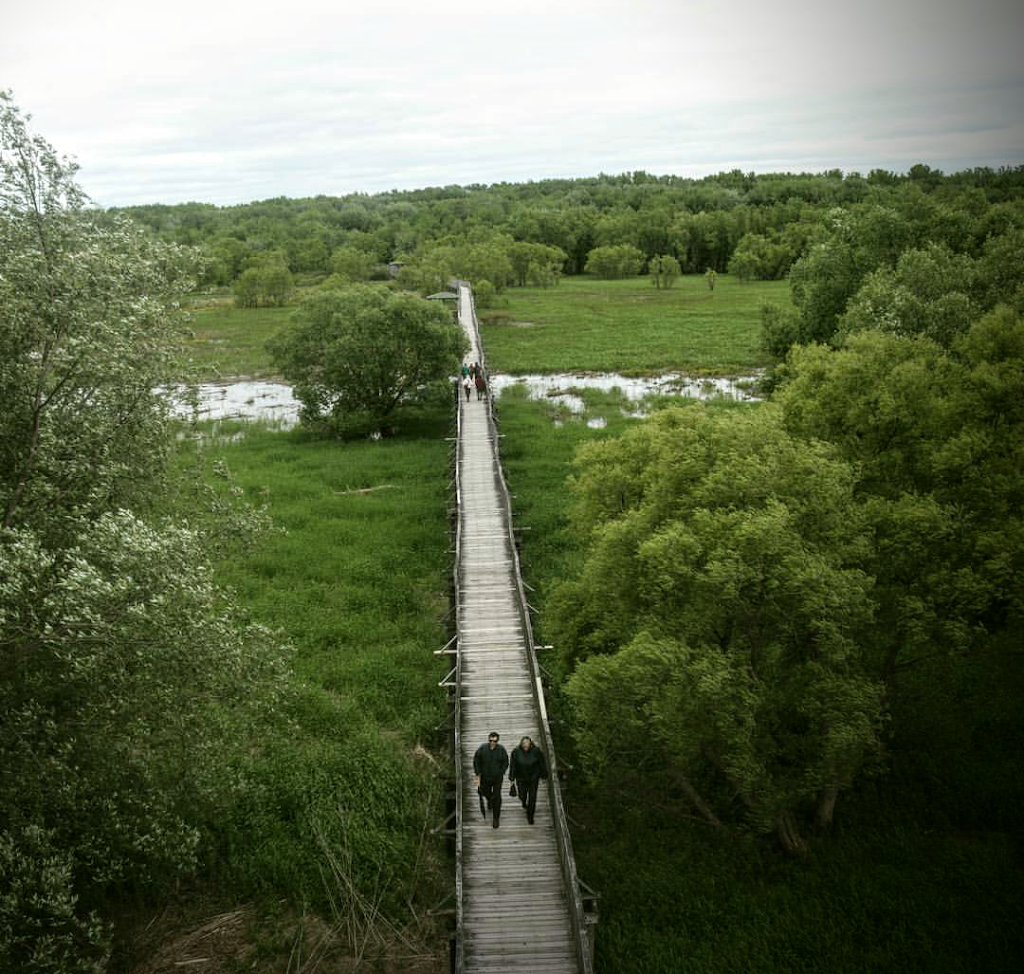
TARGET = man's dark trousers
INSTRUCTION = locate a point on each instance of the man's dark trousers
(490, 790)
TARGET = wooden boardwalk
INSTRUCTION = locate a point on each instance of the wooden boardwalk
(518, 903)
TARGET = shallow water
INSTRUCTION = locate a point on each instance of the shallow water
(248, 400)
(557, 387)
(273, 401)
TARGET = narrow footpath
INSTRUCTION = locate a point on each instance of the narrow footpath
(514, 914)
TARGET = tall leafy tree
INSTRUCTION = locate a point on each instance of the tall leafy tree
(936, 435)
(89, 332)
(715, 623)
(355, 354)
(125, 675)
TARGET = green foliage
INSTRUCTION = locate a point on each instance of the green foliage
(271, 285)
(615, 261)
(780, 330)
(723, 578)
(127, 679)
(767, 256)
(937, 438)
(105, 634)
(928, 293)
(358, 353)
(535, 263)
(484, 293)
(663, 270)
(41, 929)
(917, 876)
(88, 331)
(905, 262)
(351, 264)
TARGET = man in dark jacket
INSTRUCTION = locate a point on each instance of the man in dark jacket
(527, 768)
(489, 764)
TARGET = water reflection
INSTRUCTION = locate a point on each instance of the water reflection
(273, 401)
(558, 387)
(248, 400)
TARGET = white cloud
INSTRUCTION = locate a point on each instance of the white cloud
(230, 101)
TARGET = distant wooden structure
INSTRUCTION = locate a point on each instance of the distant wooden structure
(394, 267)
(448, 298)
(519, 904)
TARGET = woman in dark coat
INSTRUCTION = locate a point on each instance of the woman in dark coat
(526, 767)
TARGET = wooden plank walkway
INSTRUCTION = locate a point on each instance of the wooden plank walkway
(514, 913)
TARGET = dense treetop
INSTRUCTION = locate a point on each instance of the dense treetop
(699, 222)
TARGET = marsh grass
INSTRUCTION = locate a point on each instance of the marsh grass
(229, 342)
(915, 877)
(355, 578)
(630, 326)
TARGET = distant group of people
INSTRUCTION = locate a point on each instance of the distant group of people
(526, 769)
(473, 375)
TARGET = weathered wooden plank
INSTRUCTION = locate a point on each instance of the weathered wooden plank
(510, 874)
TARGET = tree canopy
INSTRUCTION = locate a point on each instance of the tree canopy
(356, 354)
(716, 618)
(125, 674)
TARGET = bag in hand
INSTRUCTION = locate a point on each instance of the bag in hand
(512, 790)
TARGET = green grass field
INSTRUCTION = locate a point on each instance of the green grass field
(231, 342)
(630, 326)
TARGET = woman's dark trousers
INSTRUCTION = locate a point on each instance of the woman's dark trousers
(527, 791)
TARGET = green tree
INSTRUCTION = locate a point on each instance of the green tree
(352, 264)
(247, 288)
(936, 435)
(715, 620)
(276, 284)
(90, 329)
(127, 680)
(928, 293)
(536, 263)
(356, 354)
(615, 261)
(663, 270)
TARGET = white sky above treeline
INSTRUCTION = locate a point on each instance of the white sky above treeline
(222, 101)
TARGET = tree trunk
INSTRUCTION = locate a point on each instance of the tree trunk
(789, 836)
(705, 810)
(826, 805)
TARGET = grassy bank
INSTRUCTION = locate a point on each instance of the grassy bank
(628, 325)
(921, 873)
(230, 342)
(331, 838)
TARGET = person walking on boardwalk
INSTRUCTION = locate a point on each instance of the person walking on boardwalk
(489, 764)
(526, 768)
(467, 385)
(465, 370)
(481, 385)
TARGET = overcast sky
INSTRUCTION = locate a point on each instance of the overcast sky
(225, 101)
